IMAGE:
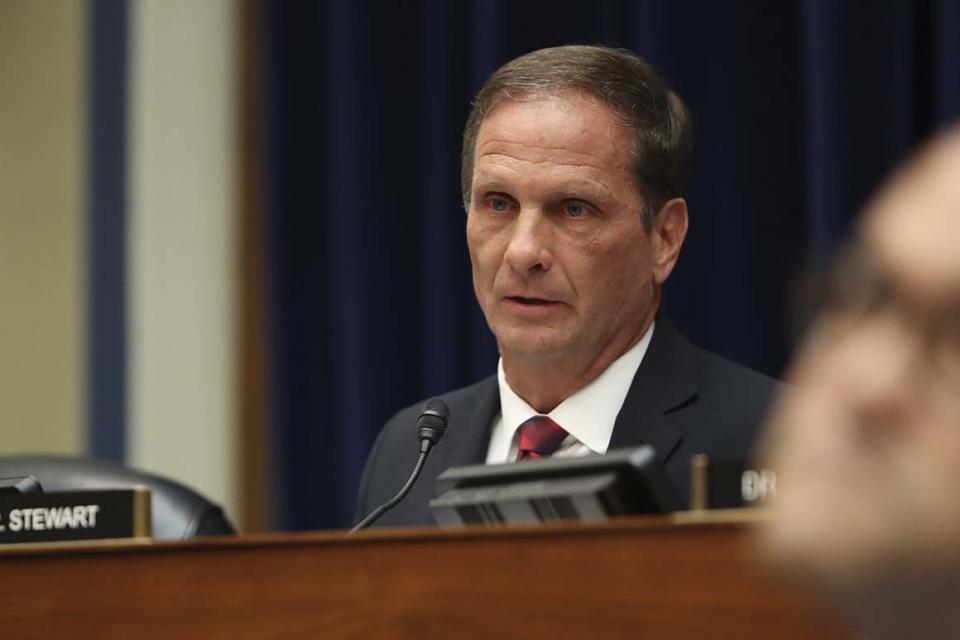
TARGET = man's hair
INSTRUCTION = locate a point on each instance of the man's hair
(620, 79)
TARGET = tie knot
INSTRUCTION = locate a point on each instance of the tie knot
(539, 437)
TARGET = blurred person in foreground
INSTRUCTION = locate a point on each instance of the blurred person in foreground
(573, 170)
(868, 453)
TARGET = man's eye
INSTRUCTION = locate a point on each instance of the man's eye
(498, 204)
(574, 209)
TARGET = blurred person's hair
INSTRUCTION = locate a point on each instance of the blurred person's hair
(661, 125)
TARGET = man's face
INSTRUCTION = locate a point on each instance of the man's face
(867, 451)
(562, 265)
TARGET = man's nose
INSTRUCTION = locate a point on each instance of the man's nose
(882, 369)
(529, 248)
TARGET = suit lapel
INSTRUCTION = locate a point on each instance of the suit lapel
(465, 442)
(666, 380)
(469, 433)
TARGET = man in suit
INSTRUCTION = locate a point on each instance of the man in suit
(573, 165)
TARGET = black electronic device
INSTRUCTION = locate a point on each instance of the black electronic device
(592, 488)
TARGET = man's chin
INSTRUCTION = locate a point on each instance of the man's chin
(534, 348)
(840, 537)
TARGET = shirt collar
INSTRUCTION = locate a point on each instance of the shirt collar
(590, 413)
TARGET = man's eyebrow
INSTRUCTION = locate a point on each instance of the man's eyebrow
(583, 189)
(490, 182)
(493, 174)
(586, 189)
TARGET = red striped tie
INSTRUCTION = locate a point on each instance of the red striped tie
(539, 437)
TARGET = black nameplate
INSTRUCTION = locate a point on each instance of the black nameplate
(733, 483)
(74, 515)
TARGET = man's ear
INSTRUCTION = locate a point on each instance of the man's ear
(667, 235)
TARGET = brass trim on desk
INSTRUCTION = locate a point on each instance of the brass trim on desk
(698, 483)
(142, 522)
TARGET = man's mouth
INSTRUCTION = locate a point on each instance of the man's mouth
(530, 301)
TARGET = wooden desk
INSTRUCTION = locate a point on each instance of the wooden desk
(637, 578)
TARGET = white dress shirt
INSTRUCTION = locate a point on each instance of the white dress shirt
(588, 415)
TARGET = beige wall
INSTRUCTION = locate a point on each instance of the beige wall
(181, 243)
(181, 255)
(42, 123)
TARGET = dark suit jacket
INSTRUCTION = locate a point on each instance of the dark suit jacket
(682, 401)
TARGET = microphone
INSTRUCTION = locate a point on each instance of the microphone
(431, 425)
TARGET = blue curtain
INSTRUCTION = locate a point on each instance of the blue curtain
(800, 109)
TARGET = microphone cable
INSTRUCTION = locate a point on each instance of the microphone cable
(431, 425)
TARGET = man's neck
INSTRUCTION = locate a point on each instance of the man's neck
(545, 384)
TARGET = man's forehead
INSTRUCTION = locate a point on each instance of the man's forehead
(570, 124)
(913, 228)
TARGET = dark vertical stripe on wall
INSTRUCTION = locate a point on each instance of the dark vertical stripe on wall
(257, 473)
(107, 322)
